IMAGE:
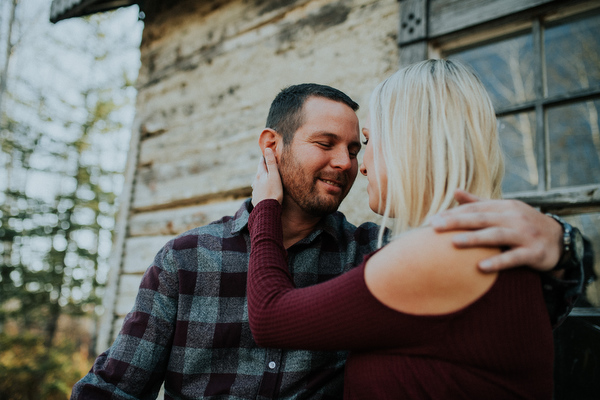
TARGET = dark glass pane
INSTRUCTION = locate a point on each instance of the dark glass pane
(517, 135)
(577, 359)
(505, 68)
(589, 225)
(574, 144)
(573, 55)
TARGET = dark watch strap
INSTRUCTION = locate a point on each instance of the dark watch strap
(568, 256)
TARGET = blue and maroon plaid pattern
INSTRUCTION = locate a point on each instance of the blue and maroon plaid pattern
(189, 325)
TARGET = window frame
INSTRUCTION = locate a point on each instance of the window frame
(564, 200)
(567, 201)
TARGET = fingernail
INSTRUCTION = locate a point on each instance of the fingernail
(460, 239)
(437, 222)
(485, 264)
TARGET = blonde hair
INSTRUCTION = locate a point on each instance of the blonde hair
(434, 124)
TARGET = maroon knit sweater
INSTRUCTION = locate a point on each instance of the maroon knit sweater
(498, 347)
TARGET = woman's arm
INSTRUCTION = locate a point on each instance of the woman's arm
(321, 317)
(341, 313)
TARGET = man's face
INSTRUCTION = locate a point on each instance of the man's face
(319, 167)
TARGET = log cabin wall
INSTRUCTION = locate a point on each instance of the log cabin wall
(209, 72)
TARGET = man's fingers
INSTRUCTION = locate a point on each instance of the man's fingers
(532, 238)
(505, 260)
(483, 206)
(463, 197)
(473, 220)
(487, 206)
(492, 237)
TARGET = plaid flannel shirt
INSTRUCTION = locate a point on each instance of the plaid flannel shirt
(189, 325)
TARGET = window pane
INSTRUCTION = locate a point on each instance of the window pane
(505, 68)
(573, 55)
(517, 135)
(589, 225)
(574, 144)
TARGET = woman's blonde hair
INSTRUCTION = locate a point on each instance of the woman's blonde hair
(434, 124)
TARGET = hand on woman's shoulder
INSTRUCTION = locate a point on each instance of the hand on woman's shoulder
(422, 273)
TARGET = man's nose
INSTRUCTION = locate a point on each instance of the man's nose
(342, 160)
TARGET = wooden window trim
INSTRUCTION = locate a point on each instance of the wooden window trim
(575, 96)
(569, 200)
(578, 199)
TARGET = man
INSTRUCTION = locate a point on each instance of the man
(189, 326)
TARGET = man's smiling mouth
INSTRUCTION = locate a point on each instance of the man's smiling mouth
(332, 182)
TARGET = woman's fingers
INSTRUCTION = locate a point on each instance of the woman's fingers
(267, 183)
(271, 162)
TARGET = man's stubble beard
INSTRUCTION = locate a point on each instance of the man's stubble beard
(302, 188)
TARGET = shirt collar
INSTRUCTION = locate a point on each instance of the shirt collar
(240, 218)
(331, 224)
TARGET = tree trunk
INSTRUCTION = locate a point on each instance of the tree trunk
(9, 49)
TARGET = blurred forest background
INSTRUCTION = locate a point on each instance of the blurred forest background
(67, 99)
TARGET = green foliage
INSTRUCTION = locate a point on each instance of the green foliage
(32, 371)
(62, 275)
(59, 124)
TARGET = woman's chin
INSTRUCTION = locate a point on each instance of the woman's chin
(381, 211)
(376, 209)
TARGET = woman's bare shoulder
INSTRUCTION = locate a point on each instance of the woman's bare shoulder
(422, 273)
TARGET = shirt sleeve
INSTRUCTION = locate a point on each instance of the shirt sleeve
(562, 294)
(337, 314)
(134, 366)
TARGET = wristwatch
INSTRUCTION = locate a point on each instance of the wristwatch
(572, 241)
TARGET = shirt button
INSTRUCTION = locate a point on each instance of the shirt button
(272, 365)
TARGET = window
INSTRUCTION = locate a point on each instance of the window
(544, 79)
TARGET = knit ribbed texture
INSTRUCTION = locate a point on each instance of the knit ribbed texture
(498, 347)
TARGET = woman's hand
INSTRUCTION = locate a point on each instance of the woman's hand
(267, 183)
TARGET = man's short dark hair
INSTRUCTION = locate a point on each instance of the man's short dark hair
(285, 115)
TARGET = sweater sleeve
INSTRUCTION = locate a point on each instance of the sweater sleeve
(337, 314)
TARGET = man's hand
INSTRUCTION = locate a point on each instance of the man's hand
(267, 182)
(532, 238)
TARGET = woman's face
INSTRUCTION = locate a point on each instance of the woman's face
(367, 168)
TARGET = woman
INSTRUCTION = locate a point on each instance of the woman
(420, 319)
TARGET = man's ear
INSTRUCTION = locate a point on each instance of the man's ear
(272, 139)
